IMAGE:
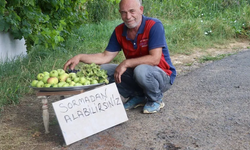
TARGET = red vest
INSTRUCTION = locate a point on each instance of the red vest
(142, 45)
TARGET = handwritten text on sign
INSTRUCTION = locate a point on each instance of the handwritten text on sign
(88, 113)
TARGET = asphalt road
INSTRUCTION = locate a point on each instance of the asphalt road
(206, 109)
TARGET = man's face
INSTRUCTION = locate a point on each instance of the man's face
(131, 13)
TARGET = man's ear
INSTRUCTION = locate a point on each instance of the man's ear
(141, 8)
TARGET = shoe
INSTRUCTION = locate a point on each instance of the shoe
(152, 107)
(134, 102)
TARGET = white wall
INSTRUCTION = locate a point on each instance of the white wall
(10, 48)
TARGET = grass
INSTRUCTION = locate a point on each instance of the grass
(188, 25)
(212, 58)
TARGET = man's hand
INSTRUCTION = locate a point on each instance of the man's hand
(71, 63)
(153, 59)
(98, 58)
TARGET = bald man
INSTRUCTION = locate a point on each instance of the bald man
(147, 72)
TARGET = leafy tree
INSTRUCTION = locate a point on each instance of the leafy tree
(41, 22)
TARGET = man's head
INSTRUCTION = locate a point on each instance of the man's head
(131, 12)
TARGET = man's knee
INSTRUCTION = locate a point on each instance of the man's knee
(141, 69)
(141, 72)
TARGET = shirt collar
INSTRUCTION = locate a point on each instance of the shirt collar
(141, 28)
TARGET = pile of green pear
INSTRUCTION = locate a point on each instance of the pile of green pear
(87, 75)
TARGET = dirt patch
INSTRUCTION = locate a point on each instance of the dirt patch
(186, 63)
(21, 126)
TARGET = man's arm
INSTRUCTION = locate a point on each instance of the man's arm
(98, 58)
(153, 59)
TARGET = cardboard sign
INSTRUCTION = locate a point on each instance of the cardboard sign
(88, 113)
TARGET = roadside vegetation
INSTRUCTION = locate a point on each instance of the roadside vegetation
(188, 25)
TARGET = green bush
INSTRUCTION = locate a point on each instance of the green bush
(102, 10)
(176, 9)
(43, 22)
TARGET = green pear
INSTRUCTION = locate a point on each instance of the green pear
(72, 75)
(47, 85)
(68, 80)
(60, 84)
(34, 82)
(45, 78)
(66, 85)
(82, 80)
(52, 80)
(87, 82)
(63, 77)
(40, 84)
(76, 79)
(55, 85)
(72, 83)
(94, 82)
(53, 73)
(46, 73)
(40, 76)
(78, 84)
(60, 72)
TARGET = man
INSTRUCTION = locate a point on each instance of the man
(147, 72)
